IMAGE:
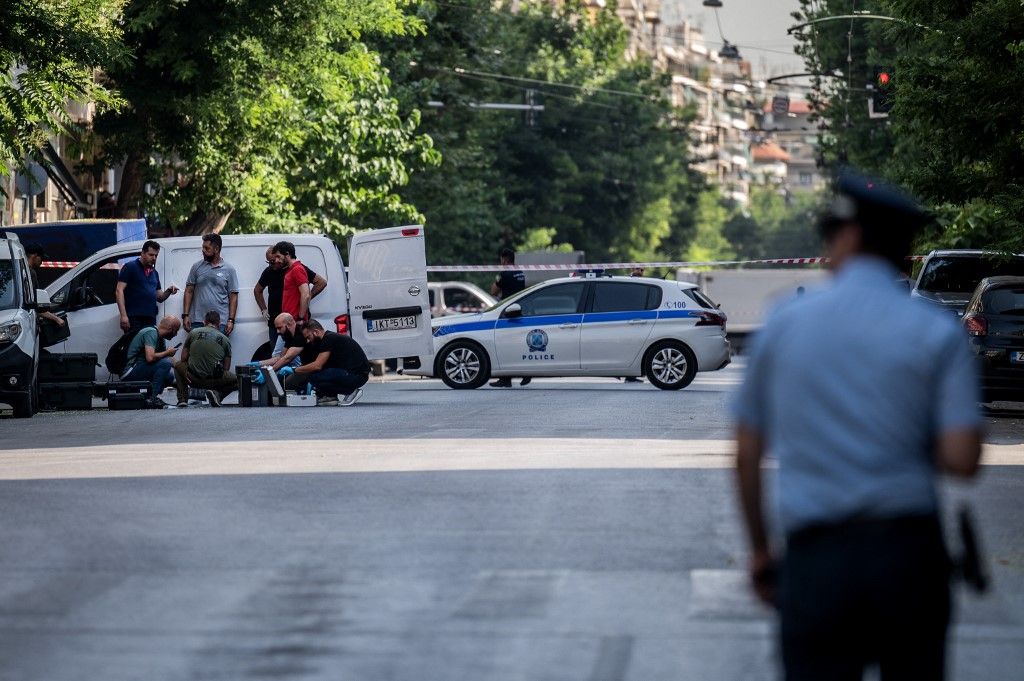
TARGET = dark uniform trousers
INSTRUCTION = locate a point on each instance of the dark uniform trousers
(328, 382)
(865, 592)
(138, 323)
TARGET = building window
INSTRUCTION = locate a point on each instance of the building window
(805, 179)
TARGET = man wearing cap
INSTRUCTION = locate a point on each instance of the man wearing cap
(861, 423)
(36, 255)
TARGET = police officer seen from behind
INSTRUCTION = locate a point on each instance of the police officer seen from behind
(507, 283)
(864, 396)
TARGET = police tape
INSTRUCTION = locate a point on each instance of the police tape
(577, 267)
(566, 267)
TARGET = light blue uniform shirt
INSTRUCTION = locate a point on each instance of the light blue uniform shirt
(850, 385)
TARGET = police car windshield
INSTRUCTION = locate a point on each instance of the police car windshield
(511, 298)
(8, 289)
(961, 274)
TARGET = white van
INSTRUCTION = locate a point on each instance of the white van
(382, 303)
(19, 336)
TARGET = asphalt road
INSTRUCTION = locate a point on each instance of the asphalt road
(569, 530)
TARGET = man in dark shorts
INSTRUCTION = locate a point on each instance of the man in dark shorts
(272, 281)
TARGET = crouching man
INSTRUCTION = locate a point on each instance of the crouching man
(149, 358)
(340, 367)
(204, 363)
(291, 351)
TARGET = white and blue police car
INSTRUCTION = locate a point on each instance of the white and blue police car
(602, 326)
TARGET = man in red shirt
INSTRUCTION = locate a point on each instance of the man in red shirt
(296, 296)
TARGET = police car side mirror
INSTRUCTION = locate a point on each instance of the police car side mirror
(513, 310)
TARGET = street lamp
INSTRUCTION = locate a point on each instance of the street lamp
(840, 17)
(728, 51)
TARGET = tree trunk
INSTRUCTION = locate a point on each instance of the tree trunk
(129, 194)
(202, 222)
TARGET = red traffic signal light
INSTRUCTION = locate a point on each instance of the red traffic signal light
(884, 78)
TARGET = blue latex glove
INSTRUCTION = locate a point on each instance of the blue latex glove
(259, 379)
(285, 371)
(253, 364)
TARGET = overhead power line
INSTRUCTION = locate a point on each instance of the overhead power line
(495, 81)
(539, 81)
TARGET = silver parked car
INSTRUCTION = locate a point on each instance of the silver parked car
(457, 297)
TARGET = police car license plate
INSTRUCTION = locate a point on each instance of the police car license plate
(391, 323)
(1017, 357)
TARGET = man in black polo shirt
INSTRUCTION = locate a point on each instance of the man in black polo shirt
(340, 366)
(509, 281)
(272, 280)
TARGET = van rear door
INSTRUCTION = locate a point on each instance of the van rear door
(388, 299)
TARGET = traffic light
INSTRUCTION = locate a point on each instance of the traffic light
(882, 92)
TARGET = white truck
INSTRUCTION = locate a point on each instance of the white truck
(745, 295)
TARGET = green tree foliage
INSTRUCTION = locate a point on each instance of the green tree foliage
(709, 241)
(49, 52)
(274, 114)
(954, 134)
(604, 165)
(775, 225)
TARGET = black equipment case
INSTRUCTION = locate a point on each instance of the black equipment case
(251, 394)
(123, 395)
(71, 367)
(65, 396)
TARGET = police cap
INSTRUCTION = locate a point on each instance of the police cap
(876, 205)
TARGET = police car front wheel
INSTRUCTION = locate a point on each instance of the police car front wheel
(463, 365)
(670, 365)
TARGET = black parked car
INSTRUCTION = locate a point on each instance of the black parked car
(994, 320)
